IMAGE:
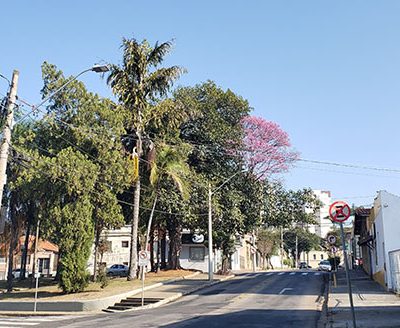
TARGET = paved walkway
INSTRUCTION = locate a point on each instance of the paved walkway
(374, 306)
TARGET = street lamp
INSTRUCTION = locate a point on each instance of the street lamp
(94, 68)
(210, 240)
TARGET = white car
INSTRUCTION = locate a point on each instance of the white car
(118, 270)
(325, 266)
(17, 273)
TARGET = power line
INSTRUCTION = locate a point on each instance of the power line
(364, 167)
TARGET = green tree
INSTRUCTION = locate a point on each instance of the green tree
(76, 160)
(268, 243)
(138, 83)
(306, 241)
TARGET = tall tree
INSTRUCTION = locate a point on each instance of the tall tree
(266, 147)
(137, 83)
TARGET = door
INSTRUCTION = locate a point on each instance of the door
(394, 259)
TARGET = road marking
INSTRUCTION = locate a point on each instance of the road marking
(281, 273)
(292, 273)
(270, 274)
(304, 273)
(284, 290)
(317, 273)
(15, 323)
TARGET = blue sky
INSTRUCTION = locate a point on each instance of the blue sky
(327, 71)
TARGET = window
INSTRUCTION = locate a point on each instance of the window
(314, 256)
(2, 259)
(196, 253)
(125, 244)
(322, 256)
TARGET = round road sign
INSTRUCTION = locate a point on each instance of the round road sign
(333, 249)
(339, 211)
(144, 258)
(331, 239)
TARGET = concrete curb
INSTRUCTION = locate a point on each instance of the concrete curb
(176, 296)
(77, 306)
(323, 305)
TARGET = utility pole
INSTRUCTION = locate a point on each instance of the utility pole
(281, 248)
(12, 96)
(254, 251)
(210, 239)
(297, 252)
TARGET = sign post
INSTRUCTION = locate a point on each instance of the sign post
(339, 212)
(144, 259)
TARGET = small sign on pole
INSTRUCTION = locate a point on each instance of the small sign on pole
(143, 261)
(331, 239)
(339, 212)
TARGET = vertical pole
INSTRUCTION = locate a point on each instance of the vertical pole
(7, 132)
(347, 275)
(297, 252)
(254, 252)
(36, 270)
(143, 285)
(210, 240)
(281, 248)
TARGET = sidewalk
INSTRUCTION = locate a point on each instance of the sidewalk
(167, 291)
(374, 306)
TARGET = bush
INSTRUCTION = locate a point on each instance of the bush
(102, 278)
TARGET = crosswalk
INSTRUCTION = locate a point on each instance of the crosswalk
(290, 273)
(25, 322)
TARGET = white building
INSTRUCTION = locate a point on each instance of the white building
(385, 246)
(117, 252)
(324, 224)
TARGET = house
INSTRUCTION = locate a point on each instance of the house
(379, 240)
(116, 248)
(47, 257)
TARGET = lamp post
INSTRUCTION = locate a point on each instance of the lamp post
(10, 112)
(210, 239)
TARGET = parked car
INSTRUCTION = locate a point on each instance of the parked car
(303, 265)
(325, 266)
(118, 270)
(17, 273)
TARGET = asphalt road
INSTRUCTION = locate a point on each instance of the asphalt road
(267, 299)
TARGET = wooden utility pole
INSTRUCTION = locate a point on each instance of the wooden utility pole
(12, 96)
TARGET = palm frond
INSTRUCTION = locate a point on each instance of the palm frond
(158, 53)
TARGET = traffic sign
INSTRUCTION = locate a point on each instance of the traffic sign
(339, 211)
(253, 250)
(331, 239)
(333, 249)
(144, 258)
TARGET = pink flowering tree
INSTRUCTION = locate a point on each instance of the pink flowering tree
(267, 149)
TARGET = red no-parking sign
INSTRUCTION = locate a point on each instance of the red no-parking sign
(339, 211)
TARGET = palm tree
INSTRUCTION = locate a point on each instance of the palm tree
(137, 83)
(170, 163)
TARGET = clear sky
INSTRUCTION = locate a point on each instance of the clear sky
(328, 72)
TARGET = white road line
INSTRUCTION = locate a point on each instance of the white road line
(292, 273)
(317, 273)
(17, 323)
(304, 273)
(270, 274)
(281, 273)
(284, 290)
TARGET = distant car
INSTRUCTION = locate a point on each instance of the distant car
(118, 270)
(17, 273)
(303, 265)
(325, 266)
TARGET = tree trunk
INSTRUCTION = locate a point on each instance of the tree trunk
(96, 252)
(13, 242)
(158, 251)
(25, 251)
(152, 266)
(163, 250)
(175, 243)
(134, 235)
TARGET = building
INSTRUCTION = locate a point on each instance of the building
(379, 240)
(324, 224)
(116, 250)
(47, 257)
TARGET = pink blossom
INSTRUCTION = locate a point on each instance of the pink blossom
(267, 149)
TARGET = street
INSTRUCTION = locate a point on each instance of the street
(267, 299)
